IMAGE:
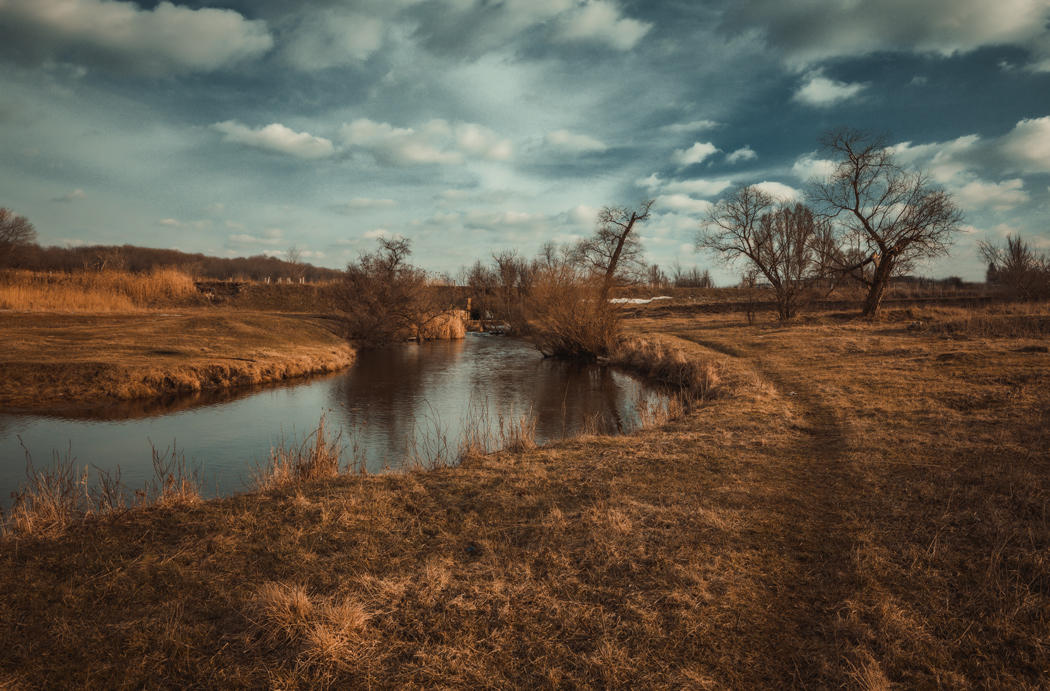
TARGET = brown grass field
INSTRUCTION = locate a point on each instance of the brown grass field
(854, 504)
(54, 360)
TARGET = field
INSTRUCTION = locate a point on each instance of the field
(853, 504)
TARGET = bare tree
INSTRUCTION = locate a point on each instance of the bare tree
(294, 257)
(782, 242)
(886, 217)
(15, 231)
(614, 252)
(384, 298)
(1024, 272)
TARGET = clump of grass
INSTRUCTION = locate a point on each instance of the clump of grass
(518, 433)
(96, 291)
(55, 497)
(327, 634)
(315, 458)
(664, 361)
(656, 412)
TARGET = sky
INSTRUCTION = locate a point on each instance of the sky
(245, 127)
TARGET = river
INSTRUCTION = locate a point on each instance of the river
(391, 405)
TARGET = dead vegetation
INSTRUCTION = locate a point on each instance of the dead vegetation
(96, 291)
(64, 361)
(862, 505)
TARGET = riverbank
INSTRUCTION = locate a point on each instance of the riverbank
(55, 361)
(860, 505)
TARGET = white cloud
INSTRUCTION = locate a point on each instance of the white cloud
(565, 140)
(694, 154)
(697, 187)
(368, 203)
(165, 39)
(170, 222)
(779, 190)
(688, 127)
(376, 233)
(820, 92)
(1001, 196)
(332, 38)
(1027, 146)
(73, 196)
(276, 137)
(744, 153)
(600, 21)
(807, 33)
(435, 142)
(809, 167)
(270, 236)
(682, 203)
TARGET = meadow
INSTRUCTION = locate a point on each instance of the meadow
(844, 503)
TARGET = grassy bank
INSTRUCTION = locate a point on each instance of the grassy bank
(859, 505)
(69, 360)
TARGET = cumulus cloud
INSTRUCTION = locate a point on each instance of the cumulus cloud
(688, 127)
(694, 154)
(167, 39)
(567, 141)
(779, 190)
(807, 33)
(1001, 196)
(270, 236)
(1027, 146)
(682, 203)
(819, 91)
(601, 21)
(435, 142)
(810, 166)
(697, 187)
(332, 38)
(73, 196)
(276, 137)
(744, 153)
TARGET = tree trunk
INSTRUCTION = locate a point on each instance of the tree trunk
(877, 291)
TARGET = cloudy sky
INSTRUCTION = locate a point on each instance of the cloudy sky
(241, 127)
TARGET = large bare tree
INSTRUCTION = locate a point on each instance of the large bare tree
(614, 252)
(15, 231)
(785, 243)
(886, 217)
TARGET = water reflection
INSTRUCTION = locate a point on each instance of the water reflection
(383, 405)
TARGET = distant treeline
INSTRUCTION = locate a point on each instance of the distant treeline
(144, 259)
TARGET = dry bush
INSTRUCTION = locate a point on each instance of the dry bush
(447, 326)
(95, 291)
(670, 364)
(569, 319)
(315, 458)
(518, 433)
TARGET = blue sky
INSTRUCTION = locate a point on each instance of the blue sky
(245, 127)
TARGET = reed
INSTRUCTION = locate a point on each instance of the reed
(95, 291)
(669, 363)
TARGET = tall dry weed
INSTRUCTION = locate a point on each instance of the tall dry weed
(95, 291)
(315, 458)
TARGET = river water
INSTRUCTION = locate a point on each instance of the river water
(390, 406)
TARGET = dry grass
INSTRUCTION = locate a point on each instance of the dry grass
(665, 360)
(450, 326)
(62, 494)
(70, 361)
(860, 506)
(315, 458)
(95, 291)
